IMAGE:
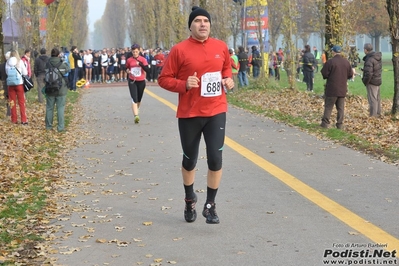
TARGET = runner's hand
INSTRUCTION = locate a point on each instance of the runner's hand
(228, 83)
(192, 81)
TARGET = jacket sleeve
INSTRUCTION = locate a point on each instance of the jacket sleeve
(145, 67)
(24, 70)
(167, 79)
(325, 72)
(367, 72)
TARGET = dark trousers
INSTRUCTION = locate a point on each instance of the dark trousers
(277, 73)
(329, 103)
(308, 79)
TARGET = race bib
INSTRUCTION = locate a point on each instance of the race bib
(80, 64)
(123, 62)
(136, 71)
(211, 84)
(153, 62)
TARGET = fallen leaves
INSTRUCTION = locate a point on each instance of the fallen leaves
(381, 133)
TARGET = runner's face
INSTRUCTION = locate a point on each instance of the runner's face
(135, 53)
(200, 28)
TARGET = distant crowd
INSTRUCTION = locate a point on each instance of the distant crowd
(109, 64)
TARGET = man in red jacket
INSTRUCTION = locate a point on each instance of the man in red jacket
(199, 69)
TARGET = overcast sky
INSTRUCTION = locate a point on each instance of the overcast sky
(96, 10)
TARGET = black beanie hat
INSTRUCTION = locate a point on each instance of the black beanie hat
(197, 11)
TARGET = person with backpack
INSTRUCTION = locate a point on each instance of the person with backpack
(40, 69)
(15, 68)
(55, 89)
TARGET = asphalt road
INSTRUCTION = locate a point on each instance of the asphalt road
(286, 198)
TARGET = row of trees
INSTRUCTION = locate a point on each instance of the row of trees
(154, 23)
(65, 23)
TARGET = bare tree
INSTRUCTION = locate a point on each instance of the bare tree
(114, 23)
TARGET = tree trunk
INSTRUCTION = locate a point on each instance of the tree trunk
(35, 25)
(333, 24)
(393, 11)
(377, 46)
(395, 62)
(2, 57)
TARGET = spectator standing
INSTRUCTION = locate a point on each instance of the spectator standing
(122, 64)
(159, 58)
(317, 57)
(26, 59)
(110, 67)
(336, 71)
(308, 63)
(242, 71)
(96, 67)
(57, 98)
(256, 61)
(354, 59)
(271, 65)
(40, 70)
(276, 65)
(372, 78)
(198, 68)
(280, 59)
(235, 66)
(88, 63)
(323, 57)
(72, 63)
(153, 66)
(116, 65)
(79, 65)
(16, 91)
(104, 65)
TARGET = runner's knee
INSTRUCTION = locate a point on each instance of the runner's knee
(189, 164)
(215, 162)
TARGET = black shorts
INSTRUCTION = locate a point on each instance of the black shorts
(213, 129)
(136, 89)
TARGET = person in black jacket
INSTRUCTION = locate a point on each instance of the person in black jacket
(40, 70)
(372, 79)
(242, 71)
(308, 65)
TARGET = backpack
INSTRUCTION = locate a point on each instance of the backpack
(13, 77)
(52, 78)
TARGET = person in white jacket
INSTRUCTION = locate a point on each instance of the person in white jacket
(16, 88)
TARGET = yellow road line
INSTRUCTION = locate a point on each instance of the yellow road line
(353, 220)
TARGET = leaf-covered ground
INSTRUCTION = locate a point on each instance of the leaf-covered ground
(33, 164)
(376, 136)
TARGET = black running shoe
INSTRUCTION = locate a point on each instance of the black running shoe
(190, 214)
(210, 214)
